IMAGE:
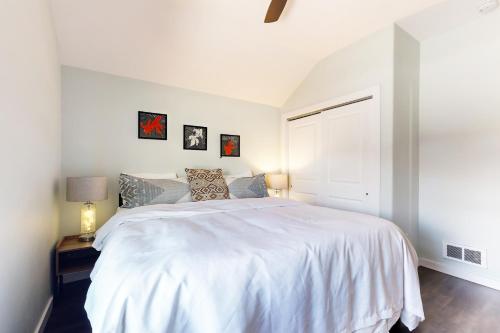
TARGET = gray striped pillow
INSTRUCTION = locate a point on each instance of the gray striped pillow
(247, 187)
(136, 192)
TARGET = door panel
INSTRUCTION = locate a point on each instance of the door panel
(351, 158)
(304, 169)
(334, 158)
(343, 140)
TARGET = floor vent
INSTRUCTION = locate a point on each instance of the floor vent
(464, 254)
(454, 252)
(472, 256)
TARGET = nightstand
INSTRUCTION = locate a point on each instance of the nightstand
(74, 260)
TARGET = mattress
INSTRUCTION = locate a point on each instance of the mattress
(251, 265)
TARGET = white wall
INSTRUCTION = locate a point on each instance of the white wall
(100, 133)
(364, 64)
(406, 106)
(460, 144)
(30, 164)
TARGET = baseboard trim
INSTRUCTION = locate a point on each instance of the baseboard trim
(42, 322)
(453, 271)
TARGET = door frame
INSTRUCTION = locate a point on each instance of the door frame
(372, 91)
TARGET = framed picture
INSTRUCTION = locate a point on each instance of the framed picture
(152, 126)
(229, 145)
(195, 137)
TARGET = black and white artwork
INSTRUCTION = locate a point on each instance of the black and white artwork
(195, 137)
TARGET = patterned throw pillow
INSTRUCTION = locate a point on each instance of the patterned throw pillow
(136, 192)
(207, 184)
(247, 187)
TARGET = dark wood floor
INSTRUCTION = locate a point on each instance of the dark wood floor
(68, 314)
(451, 305)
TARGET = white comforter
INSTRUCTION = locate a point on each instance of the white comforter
(251, 265)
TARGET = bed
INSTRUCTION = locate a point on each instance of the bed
(251, 265)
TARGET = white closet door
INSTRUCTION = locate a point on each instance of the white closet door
(350, 158)
(304, 141)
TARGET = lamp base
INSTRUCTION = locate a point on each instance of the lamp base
(86, 237)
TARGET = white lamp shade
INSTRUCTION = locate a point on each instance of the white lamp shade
(278, 181)
(85, 189)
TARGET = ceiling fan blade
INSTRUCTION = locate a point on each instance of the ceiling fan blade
(275, 9)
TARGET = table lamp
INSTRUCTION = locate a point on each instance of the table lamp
(278, 182)
(86, 190)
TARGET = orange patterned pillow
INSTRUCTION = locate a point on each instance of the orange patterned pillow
(207, 184)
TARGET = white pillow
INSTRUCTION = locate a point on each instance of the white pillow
(170, 175)
(241, 175)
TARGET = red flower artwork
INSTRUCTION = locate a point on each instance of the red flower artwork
(229, 146)
(152, 126)
(149, 126)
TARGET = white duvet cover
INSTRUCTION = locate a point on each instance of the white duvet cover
(251, 265)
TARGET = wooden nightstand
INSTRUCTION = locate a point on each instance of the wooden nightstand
(74, 260)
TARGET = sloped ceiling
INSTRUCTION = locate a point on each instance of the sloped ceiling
(220, 47)
(443, 17)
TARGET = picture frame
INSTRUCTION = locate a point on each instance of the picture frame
(152, 126)
(230, 145)
(195, 137)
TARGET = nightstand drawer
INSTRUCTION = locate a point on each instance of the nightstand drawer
(74, 260)
(84, 253)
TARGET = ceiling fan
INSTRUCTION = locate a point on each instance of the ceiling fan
(275, 9)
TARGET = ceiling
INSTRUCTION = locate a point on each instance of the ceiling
(440, 18)
(220, 47)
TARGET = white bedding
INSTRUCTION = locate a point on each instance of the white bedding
(251, 265)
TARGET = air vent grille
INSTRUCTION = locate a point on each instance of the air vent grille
(454, 252)
(472, 256)
(464, 254)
